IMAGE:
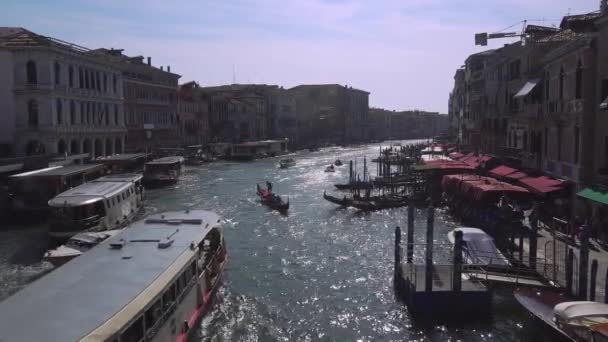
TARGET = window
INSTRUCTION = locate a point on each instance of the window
(98, 80)
(115, 114)
(105, 82)
(86, 79)
(525, 134)
(107, 114)
(114, 83)
(31, 72)
(561, 84)
(81, 112)
(59, 112)
(57, 73)
(576, 143)
(80, 78)
(579, 80)
(169, 299)
(559, 143)
(153, 315)
(135, 332)
(547, 84)
(71, 76)
(32, 113)
(546, 140)
(72, 112)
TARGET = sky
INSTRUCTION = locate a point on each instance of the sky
(404, 52)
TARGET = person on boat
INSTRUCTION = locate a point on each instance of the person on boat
(269, 186)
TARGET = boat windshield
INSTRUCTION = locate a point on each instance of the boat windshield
(78, 213)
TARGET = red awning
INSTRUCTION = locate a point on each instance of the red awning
(475, 160)
(456, 155)
(542, 184)
(517, 175)
(451, 149)
(466, 156)
(502, 170)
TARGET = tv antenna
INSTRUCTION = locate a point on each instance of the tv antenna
(482, 38)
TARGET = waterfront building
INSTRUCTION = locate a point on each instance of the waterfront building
(193, 114)
(57, 97)
(282, 119)
(150, 102)
(331, 113)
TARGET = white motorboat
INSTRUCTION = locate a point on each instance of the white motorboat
(77, 245)
(479, 247)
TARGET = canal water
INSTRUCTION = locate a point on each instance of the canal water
(317, 274)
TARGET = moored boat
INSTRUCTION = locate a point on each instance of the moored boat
(286, 163)
(330, 168)
(106, 203)
(76, 245)
(571, 319)
(163, 170)
(152, 282)
(355, 185)
(345, 202)
(338, 162)
(479, 247)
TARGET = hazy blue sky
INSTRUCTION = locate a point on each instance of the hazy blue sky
(404, 52)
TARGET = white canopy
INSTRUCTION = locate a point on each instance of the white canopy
(573, 310)
(480, 246)
(527, 88)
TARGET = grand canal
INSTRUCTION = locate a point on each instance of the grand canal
(319, 273)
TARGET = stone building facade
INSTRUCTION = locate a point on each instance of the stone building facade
(150, 102)
(193, 114)
(58, 98)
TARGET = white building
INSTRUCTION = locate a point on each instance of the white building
(57, 97)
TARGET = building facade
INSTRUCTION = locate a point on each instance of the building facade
(150, 102)
(193, 115)
(58, 98)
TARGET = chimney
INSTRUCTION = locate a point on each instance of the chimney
(168, 68)
(149, 60)
(161, 68)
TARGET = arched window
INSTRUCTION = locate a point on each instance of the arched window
(59, 112)
(72, 112)
(107, 114)
(579, 80)
(561, 84)
(105, 82)
(31, 72)
(547, 84)
(57, 73)
(82, 113)
(80, 78)
(114, 83)
(86, 79)
(32, 113)
(71, 76)
(98, 80)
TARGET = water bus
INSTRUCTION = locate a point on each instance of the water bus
(151, 282)
(29, 192)
(164, 170)
(107, 203)
(124, 163)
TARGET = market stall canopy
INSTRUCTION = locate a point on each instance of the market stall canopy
(596, 195)
(456, 155)
(527, 88)
(502, 171)
(542, 185)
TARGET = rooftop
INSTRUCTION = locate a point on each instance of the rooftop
(60, 171)
(78, 297)
(88, 193)
(166, 160)
(125, 156)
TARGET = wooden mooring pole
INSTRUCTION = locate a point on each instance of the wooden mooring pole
(428, 274)
(397, 252)
(533, 245)
(410, 234)
(457, 275)
(606, 287)
(593, 280)
(583, 268)
(569, 270)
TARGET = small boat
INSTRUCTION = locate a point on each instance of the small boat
(479, 247)
(76, 245)
(344, 202)
(354, 186)
(380, 203)
(286, 163)
(330, 168)
(574, 320)
(338, 162)
(272, 200)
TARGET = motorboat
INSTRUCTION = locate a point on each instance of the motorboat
(286, 163)
(338, 162)
(479, 247)
(330, 168)
(77, 245)
(574, 320)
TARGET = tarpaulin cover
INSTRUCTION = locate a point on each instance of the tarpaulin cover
(478, 187)
(542, 184)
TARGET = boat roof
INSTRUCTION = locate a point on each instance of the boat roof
(121, 177)
(579, 309)
(123, 157)
(88, 193)
(60, 171)
(166, 160)
(83, 294)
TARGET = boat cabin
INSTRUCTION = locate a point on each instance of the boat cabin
(124, 163)
(31, 191)
(107, 203)
(166, 169)
(150, 282)
(479, 247)
(577, 318)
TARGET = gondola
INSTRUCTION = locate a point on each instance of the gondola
(338, 162)
(272, 200)
(380, 203)
(345, 202)
(354, 186)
